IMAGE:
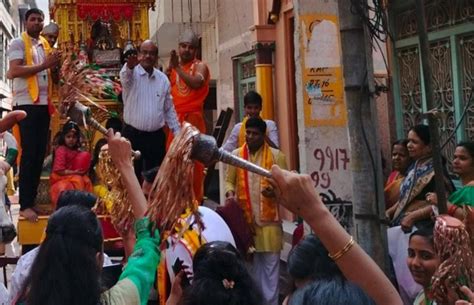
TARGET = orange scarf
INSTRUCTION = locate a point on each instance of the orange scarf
(242, 132)
(268, 208)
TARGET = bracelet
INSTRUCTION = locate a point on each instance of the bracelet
(343, 251)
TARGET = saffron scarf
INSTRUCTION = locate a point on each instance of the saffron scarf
(268, 208)
(242, 132)
(32, 81)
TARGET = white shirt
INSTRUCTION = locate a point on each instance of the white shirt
(147, 101)
(23, 267)
(21, 96)
(233, 139)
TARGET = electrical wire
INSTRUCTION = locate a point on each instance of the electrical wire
(373, 16)
(365, 89)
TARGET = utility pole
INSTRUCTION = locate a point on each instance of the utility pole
(432, 120)
(366, 165)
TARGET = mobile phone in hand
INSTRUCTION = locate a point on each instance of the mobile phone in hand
(177, 267)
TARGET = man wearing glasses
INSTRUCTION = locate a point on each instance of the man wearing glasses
(148, 106)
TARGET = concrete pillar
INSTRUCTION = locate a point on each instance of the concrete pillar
(264, 75)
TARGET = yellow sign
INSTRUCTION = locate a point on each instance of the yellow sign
(322, 72)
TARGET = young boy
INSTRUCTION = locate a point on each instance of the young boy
(252, 108)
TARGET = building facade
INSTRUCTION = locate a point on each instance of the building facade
(12, 14)
(288, 51)
(451, 42)
(8, 31)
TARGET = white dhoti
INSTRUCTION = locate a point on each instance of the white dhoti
(265, 271)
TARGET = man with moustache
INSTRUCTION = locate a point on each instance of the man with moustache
(148, 106)
(31, 61)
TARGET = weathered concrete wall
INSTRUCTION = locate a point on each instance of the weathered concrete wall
(233, 20)
(322, 116)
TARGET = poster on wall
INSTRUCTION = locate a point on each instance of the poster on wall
(322, 72)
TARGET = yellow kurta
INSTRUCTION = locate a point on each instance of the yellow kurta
(268, 236)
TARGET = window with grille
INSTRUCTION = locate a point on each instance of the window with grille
(451, 37)
(245, 82)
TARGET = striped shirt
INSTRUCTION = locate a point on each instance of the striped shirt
(21, 96)
(148, 104)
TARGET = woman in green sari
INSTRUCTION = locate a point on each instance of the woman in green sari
(461, 202)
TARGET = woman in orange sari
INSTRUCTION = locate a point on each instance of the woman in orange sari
(400, 162)
(70, 164)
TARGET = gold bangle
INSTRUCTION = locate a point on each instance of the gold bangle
(343, 251)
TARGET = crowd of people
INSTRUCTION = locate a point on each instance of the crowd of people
(412, 211)
(234, 257)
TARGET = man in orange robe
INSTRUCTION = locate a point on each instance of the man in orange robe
(189, 79)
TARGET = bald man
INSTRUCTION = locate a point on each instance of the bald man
(148, 107)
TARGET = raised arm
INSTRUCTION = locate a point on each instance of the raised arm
(195, 81)
(126, 74)
(141, 265)
(296, 193)
(120, 152)
(11, 119)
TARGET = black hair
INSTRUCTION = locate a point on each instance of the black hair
(66, 270)
(423, 132)
(425, 231)
(76, 197)
(114, 123)
(70, 125)
(252, 98)
(257, 123)
(309, 260)
(95, 159)
(402, 142)
(469, 146)
(331, 292)
(33, 11)
(150, 175)
(213, 263)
